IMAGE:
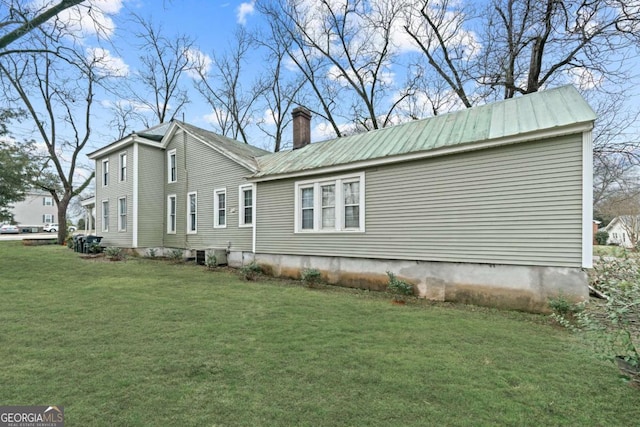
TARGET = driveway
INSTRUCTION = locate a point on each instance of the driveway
(21, 236)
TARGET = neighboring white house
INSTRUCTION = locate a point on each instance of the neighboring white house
(619, 229)
(37, 209)
(489, 205)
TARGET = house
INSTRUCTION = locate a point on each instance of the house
(619, 229)
(37, 209)
(490, 205)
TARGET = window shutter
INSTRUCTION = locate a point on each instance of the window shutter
(43, 201)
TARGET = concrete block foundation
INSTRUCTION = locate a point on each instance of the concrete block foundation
(526, 288)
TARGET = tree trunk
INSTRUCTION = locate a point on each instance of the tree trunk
(63, 204)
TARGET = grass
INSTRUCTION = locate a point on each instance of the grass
(144, 342)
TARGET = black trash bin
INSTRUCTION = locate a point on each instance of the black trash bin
(76, 242)
(80, 244)
(89, 241)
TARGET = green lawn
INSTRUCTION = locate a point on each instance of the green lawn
(146, 342)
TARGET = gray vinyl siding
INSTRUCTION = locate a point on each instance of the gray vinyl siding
(206, 170)
(151, 197)
(518, 204)
(115, 190)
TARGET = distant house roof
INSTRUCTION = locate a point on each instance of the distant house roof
(524, 118)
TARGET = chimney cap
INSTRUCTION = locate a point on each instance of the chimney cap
(301, 111)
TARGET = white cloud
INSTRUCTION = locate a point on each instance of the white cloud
(268, 117)
(200, 63)
(584, 78)
(92, 17)
(107, 65)
(245, 9)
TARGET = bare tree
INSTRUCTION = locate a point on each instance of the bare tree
(22, 18)
(279, 90)
(157, 91)
(232, 103)
(346, 48)
(625, 205)
(57, 94)
(527, 44)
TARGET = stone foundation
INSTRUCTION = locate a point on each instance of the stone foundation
(526, 288)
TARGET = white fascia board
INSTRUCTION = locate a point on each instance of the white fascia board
(225, 153)
(514, 139)
(587, 199)
(119, 145)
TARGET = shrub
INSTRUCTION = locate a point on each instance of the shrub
(211, 261)
(176, 255)
(151, 252)
(612, 326)
(251, 271)
(114, 253)
(399, 288)
(95, 248)
(311, 277)
(563, 307)
(69, 241)
(602, 237)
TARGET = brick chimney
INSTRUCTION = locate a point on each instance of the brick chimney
(301, 127)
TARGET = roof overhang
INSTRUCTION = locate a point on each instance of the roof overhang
(574, 128)
(122, 143)
(174, 127)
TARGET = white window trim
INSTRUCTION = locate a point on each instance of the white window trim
(216, 210)
(169, 154)
(48, 218)
(105, 224)
(241, 205)
(46, 200)
(189, 231)
(105, 182)
(121, 226)
(339, 206)
(120, 165)
(175, 214)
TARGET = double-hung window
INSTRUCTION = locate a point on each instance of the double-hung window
(333, 204)
(247, 202)
(105, 173)
(105, 215)
(123, 166)
(171, 214)
(192, 213)
(122, 214)
(172, 171)
(220, 208)
(47, 218)
(47, 201)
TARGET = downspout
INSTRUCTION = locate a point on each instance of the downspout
(255, 219)
(134, 242)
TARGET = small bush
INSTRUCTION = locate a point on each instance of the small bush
(311, 277)
(95, 248)
(399, 288)
(114, 253)
(176, 255)
(612, 326)
(151, 253)
(601, 237)
(251, 271)
(69, 241)
(563, 307)
(211, 261)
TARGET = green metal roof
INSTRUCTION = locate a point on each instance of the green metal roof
(521, 116)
